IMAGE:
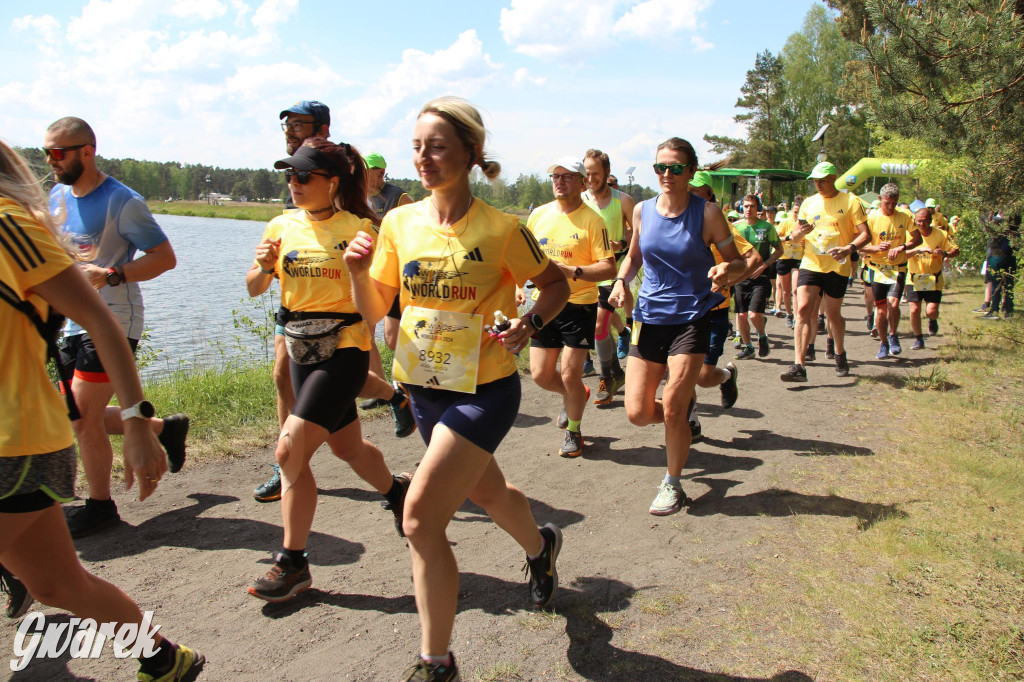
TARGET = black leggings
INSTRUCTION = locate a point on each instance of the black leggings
(325, 393)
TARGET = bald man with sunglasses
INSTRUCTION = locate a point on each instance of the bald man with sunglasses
(107, 223)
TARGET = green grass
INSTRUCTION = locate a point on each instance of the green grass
(234, 211)
(938, 591)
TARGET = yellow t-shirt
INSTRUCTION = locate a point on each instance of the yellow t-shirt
(939, 221)
(744, 247)
(311, 268)
(790, 249)
(835, 224)
(894, 229)
(577, 239)
(472, 267)
(33, 416)
(928, 263)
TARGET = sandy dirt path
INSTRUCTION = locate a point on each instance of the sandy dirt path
(641, 598)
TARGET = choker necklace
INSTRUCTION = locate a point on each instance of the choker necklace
(319, 210)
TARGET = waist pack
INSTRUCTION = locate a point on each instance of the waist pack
(312, 337)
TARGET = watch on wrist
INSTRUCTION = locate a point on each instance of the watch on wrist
(535, 320)
(577, 273)
(114, 277)
(140, 410)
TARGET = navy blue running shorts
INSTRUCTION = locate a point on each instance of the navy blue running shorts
(483, 418)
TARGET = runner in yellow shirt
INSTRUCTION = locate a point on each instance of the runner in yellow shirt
(454, 260)
(925, 267)
(327, 183)
(575, 237)
(833, 226)
(787, 268)
(885, 266)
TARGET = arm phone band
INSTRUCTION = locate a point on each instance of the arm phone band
(725, 242)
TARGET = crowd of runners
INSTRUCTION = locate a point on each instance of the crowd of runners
(462, 289)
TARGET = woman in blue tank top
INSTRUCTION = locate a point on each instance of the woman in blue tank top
(672, 234)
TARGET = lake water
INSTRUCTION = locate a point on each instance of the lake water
(189, 309)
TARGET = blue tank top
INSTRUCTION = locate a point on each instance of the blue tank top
(676, 288)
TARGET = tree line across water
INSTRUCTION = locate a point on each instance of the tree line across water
(159, 180)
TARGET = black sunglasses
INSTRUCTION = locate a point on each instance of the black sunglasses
(302, 175)
(674, 168)
(60, 153)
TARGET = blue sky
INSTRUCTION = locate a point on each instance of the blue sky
(203, 81)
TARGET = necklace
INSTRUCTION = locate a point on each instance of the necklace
(310, 213)
(450, 220)
(100, 177)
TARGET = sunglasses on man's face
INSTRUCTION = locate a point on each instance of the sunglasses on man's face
(674, 168)
(60, 153)
(302, 176)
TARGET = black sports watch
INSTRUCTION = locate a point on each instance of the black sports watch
(577, 273)
(114, 277)
(140, 410)
(535, 320)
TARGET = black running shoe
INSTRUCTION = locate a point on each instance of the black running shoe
(372, 403)
(403, 480)
(810, 355)
(763, 349)
(282, 582)
(91, 517)
(541, 571)
(172, 437)
(746, 351)
(18, 598)
(842, 366)
(430, 672)
(830, 348)
(795, 373)
(401, 411)
(933, 327)
(730, 389)
(821, 324)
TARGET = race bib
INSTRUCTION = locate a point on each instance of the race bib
(923, 282)
(824, 240)
(438, 349)
(886, 274)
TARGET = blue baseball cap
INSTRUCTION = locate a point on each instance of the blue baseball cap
(917, 206)
(318, 110)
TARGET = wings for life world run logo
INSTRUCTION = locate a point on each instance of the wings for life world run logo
(79, 638)
(559, 250)
(437, 331)
(296, 265)
(441, 279)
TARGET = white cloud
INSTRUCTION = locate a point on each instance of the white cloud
(202, 9)
(46, 29)
(522, 77)
(461, 69)
(273, 13)
(544, 30)
(660, 18)
(700, 45)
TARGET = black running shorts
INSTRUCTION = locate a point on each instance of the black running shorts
(659, 341)
(572, 328)
(831, 284)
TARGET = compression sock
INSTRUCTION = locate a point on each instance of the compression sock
(574, 425)
(394, 495)
(605, 355)
(296, 557)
